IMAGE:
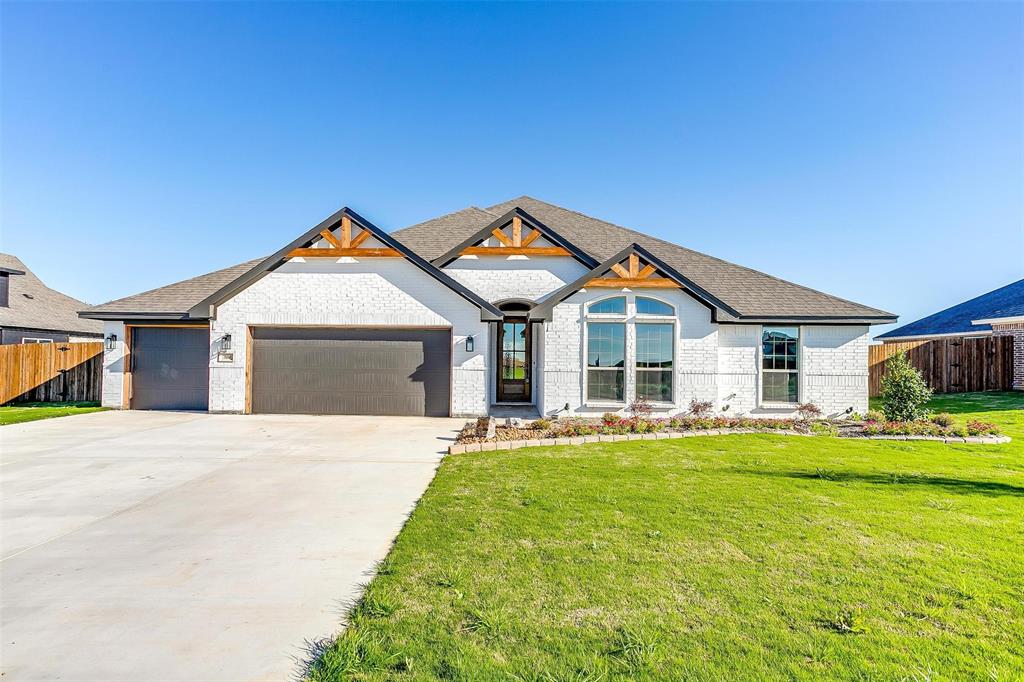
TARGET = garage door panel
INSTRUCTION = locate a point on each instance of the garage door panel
(351, 371)
(170, 368)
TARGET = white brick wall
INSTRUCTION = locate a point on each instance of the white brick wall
(835, 367)
(113, 367)
(496, 278)
(374, 292)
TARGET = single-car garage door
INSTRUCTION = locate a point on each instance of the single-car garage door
(351, 371)
(170, 368)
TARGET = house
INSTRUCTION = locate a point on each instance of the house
(31, 312)
(997, 313)
(522, 304)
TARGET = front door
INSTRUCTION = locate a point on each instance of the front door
(514, 354)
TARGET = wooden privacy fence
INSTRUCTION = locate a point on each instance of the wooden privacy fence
(951, 365)
(51, 372)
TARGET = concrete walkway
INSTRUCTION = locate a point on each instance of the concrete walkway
(181, 546)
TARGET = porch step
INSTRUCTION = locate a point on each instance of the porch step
(514, 411)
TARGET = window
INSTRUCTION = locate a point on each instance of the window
(609, 306)
(5, 288)
(513, 339)
(652, 306)
(780, 375)
(606, 360)
(34, 340)
(654, 361)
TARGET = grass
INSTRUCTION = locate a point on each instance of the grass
(738, 557)
(28, 412)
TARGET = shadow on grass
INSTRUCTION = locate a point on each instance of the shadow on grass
(953, 485)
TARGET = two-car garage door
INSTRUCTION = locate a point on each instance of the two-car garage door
(323, 370)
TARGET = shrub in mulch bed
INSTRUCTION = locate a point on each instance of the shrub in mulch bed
(613, 424)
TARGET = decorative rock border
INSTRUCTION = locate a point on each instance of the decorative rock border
(490, 446)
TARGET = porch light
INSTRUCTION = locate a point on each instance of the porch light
(111, 342)
(225, 342)
(469, 344)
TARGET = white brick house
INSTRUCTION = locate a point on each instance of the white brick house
(524, 304)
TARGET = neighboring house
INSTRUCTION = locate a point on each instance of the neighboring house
(997, 313)
(520, 304)
(31, 312)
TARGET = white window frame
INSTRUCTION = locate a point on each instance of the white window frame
(761, 402)
(33, 339)
(630, 319)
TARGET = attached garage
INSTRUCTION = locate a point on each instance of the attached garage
(337, 370)
(170, 368)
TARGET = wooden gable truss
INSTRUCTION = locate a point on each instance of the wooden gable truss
(344, 244)
(633, 273)
(517, 241)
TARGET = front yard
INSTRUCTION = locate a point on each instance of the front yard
(27, 412)
(732, 557)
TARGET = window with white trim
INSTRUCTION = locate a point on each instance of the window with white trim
(29, 339)
(652, 306)
(606, 361)
(780, 365)
(615, 305)
(654, 361)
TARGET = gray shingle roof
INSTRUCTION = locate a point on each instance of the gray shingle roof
(173, 299)
(750, 292)
(33, 305)
(1006, 301)
(753, 294)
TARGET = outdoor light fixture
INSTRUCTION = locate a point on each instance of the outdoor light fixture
(111, 341)
(225, 342)
(469, 344)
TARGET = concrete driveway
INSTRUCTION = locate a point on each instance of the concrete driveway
(183, 546)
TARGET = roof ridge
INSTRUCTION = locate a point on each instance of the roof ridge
(699, 253)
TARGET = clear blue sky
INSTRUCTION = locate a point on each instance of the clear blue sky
(875, 151)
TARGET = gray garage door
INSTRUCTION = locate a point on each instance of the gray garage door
(351, 371)
(170, 368)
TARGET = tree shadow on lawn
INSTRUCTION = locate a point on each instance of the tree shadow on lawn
(953, 485)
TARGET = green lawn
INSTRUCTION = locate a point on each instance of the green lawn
(737, 557)
(28, 412)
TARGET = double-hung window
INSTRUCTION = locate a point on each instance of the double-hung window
(654, 362)
(606, 361)
(780, 365)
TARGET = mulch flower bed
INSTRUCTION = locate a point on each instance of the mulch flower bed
(611, 427)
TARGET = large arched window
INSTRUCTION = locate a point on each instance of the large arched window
(652, 306)
(606, 350)
(615, 305)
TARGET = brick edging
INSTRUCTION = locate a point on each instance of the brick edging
(617, 438)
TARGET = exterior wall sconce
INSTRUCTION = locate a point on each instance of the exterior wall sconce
(111, 342)
(224, 353)
(225, 342)
(469, 344)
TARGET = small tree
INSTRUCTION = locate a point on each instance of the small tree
(904, 391)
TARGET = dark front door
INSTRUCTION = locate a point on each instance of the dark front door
(304, 370)
(514, 355)
(170, 368)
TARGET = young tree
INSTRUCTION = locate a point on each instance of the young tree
(904, 391)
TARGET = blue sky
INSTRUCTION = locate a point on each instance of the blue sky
(874, 151)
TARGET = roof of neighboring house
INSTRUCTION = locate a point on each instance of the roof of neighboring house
(33, 305)
(754, 295)
(1006, 301)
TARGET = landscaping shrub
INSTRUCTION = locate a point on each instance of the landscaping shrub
(542, 424)
(976, 427)
(874, 416)
(699, 408)
(904, 391)
(943, 419)
(808, 411)
(640, 409)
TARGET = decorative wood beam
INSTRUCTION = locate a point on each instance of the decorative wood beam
(514, 251)
(346, 232)
(625, 283)
(360, 238)
(634, 265)
(341, 253)
(620, 271)
(517, 231)
(530, 238)
(331, 239)
(500, 236)
(646, 272)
